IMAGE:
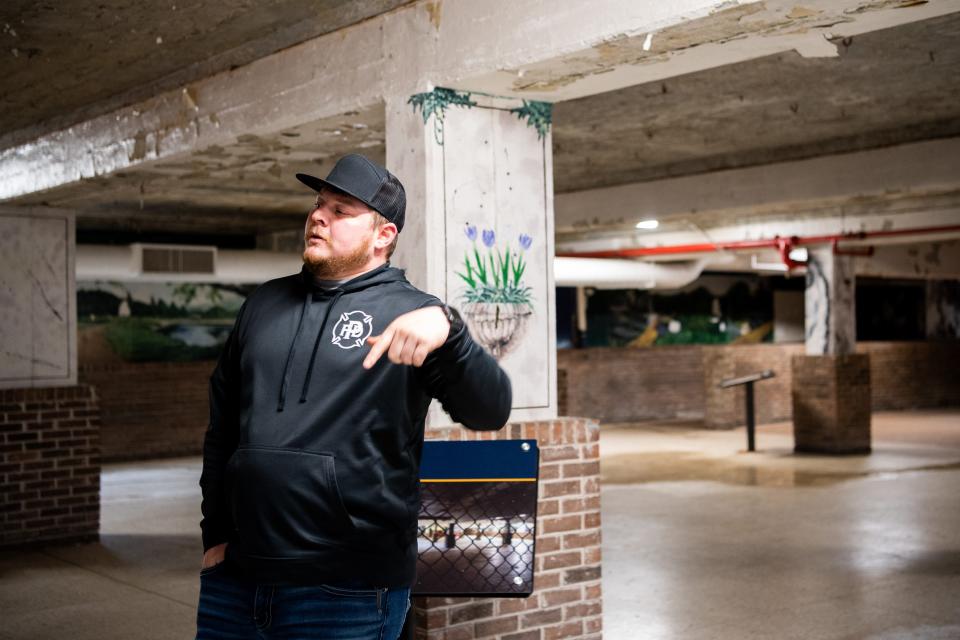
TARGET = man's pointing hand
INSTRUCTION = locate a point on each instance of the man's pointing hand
(410, 338)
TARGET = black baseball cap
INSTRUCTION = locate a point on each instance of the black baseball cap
(368, 182)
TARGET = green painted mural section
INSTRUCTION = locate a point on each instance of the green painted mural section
(434, 104)
(155, 322)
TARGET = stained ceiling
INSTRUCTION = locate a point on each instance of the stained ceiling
(885, 87)
(66, 61)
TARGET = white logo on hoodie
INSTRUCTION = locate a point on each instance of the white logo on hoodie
(352, 329)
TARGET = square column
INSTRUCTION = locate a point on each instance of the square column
(830, 304)
(49, 425)
(478, 234)
(831, 383)
(38, 315)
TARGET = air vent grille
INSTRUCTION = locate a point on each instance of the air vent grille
(178, 260)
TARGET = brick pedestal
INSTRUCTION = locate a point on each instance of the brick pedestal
(49, 465)
(566, 601)
(831, 403)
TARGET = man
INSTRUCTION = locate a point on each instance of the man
(317, 408)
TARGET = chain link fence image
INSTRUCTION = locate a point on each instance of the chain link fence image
(476, 535)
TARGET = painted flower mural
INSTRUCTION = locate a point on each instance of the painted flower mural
(497, 305)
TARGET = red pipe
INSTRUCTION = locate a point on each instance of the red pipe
(780, 243)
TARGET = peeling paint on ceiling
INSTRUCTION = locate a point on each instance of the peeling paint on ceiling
(78, 59)
(886, 87)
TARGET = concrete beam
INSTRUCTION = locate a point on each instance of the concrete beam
(735, 32)
(907, 186)
(925, 260)
(394, 54)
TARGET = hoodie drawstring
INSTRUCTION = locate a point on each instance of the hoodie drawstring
(286, 367)
(383, 274)
(316, 345)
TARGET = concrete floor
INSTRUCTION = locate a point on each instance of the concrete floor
(701, 540)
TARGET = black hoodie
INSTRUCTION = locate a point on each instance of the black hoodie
(311, 462)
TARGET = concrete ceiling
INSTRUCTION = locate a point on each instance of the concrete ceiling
(885, 87)
(62, 62)
(246, 188)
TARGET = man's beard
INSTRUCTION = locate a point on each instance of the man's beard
(334, 268)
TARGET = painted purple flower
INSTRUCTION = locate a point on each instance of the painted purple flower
(471, 232)
(525, 241)
(489, 237)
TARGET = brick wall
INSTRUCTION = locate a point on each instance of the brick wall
(725, 407)
(49, 465)
(903, 375)
(153, 409)
(913, 375)
(566, 602)
(160, 409)
(614, 384)
(622, 384)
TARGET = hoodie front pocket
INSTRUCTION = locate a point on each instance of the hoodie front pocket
(286, 502)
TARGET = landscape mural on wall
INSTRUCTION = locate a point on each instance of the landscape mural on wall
(155, 322)
(716, 310)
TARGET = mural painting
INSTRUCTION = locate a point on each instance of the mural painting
(497, 232)
(496, 303)
(155, 322)
(716, 310)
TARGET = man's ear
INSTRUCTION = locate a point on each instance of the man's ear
(385, 235)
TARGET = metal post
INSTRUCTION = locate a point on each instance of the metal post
(748, 397)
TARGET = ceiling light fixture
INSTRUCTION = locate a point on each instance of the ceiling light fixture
(800, 254)
(648, 224)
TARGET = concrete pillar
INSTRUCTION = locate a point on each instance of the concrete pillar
(38, 315)
(829, 300)
(831, 383)
(50, 424)
(479, 228)
(943, 309)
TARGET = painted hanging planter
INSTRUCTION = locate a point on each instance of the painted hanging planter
(497, 306)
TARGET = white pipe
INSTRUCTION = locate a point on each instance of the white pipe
(120, 264)
(603, 273)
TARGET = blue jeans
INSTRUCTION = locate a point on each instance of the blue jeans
(233, 607)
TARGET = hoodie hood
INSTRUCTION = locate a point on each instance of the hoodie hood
(312, 291)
